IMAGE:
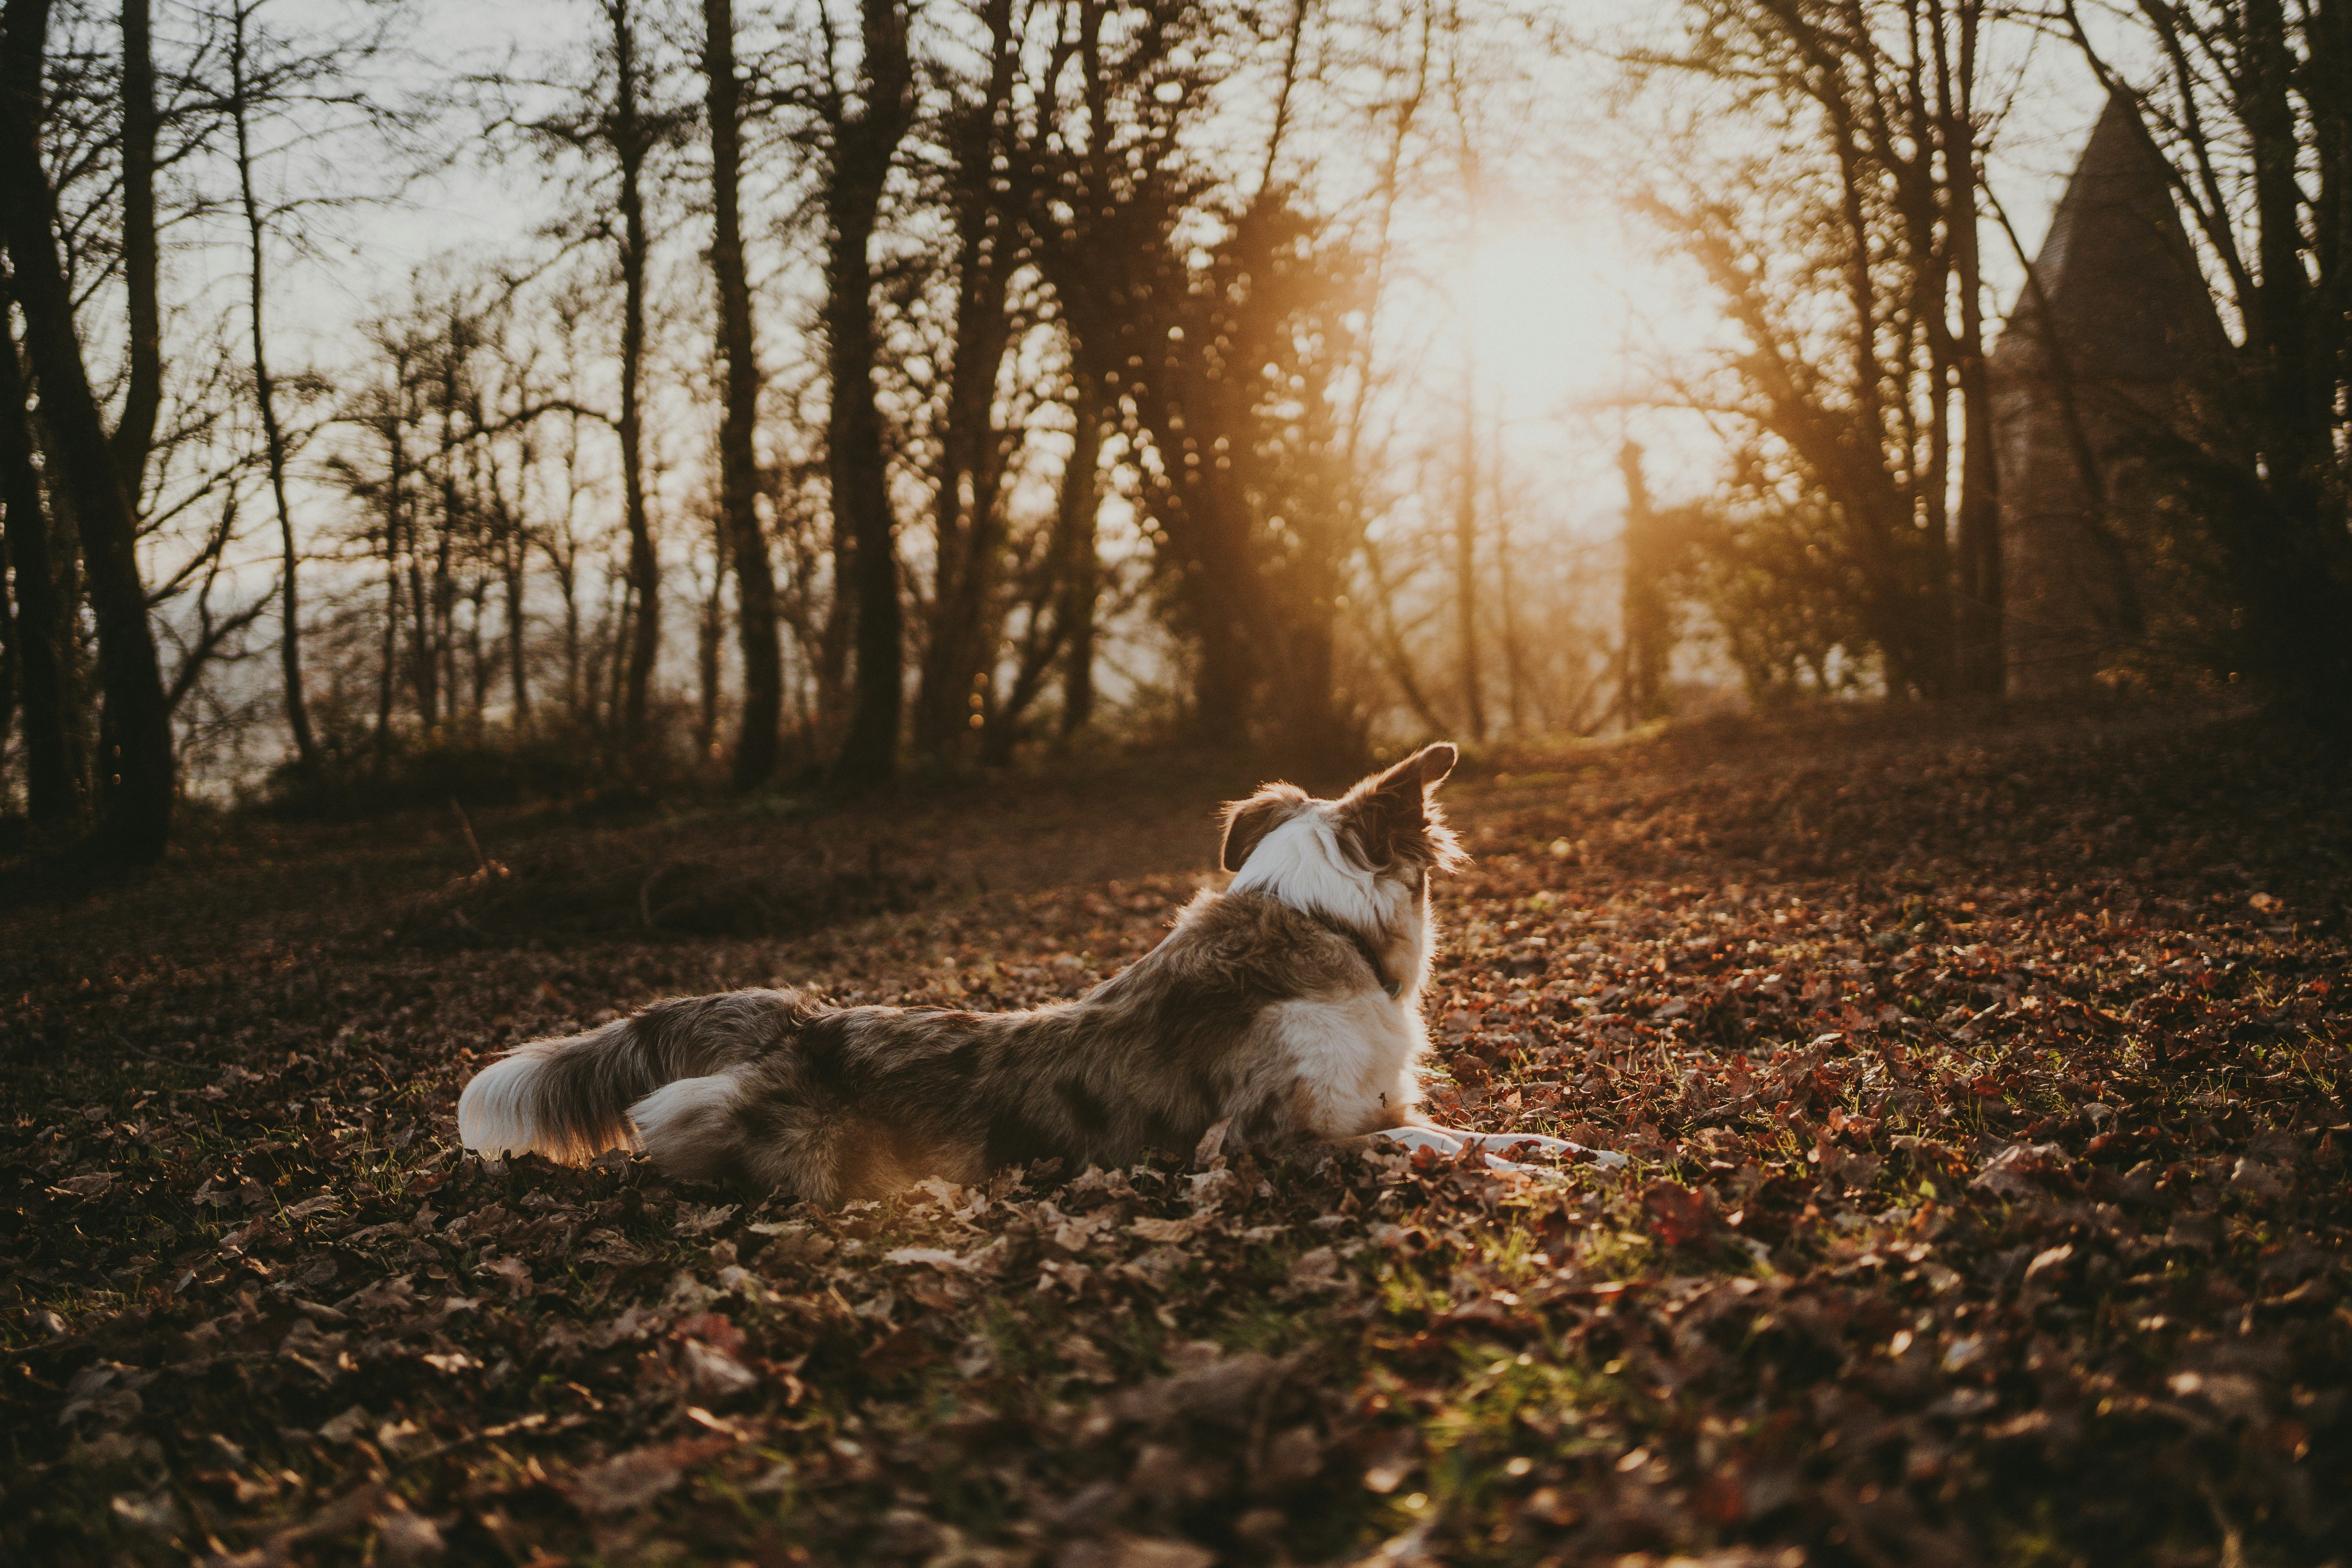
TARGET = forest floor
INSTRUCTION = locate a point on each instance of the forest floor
(1985, 1085)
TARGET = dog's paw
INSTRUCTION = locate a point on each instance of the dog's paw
(1496, 1163)
(1524, 1144)
(1498, 1146)
(1432, 1138)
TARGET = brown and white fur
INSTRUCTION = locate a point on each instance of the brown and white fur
(1287, 1007)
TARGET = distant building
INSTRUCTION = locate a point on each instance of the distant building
(2097, 355)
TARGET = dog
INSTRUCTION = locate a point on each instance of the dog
(1285, 1010)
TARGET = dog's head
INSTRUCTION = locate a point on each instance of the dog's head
(1364, 859)
(1386, 824)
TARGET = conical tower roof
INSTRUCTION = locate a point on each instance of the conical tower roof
(2117, 269)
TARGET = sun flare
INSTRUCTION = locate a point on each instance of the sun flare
(1547, 319)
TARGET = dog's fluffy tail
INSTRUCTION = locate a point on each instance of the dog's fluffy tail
(571, 1100)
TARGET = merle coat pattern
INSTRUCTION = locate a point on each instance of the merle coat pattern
(1286, 1009)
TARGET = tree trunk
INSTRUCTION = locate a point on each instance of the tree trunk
(577, 698)
(519, 673)
(2295, 563)
(138, 768)
(395, 483)
(739, 474)
(265, 396)
(1981, 665)
(444, 646)
(968, 525)
(632, 141)
(710, 632)
(1224, 691)
(514, 561)
(142, 393)
(1465, 555)
(82, 682)
(388, 676)
(1394, 653)
(1514, 652)
(7, 664)
(1647, 625)
(863, 146)
(41, 667)
(428, 596)
(477, 657)
(1081, 574)
(2278, 328)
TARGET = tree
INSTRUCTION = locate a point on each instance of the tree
(619, 120)
(1466, 496)
(1841, 238)
(739, 478)
(39, 621)
(1465, 552)
(1108, 182)
(241, 103)
(142, 395)
(1216, 372)
(2253, 107)
(632, 136)
(977, 145)
(862, 140)
(138, 770)
(1646, 613)
(1979, 668)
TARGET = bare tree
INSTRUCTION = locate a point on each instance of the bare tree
(39, 620)
(1646, 612)
(632, 136)
(241, 107)
(620, 120)
(862, 140)
(141, 779)
(1465, 552)
(2250, 108)
(1833, 243)
(1981, 603)
(742, 537)
(142, 394)
(977, 150)
(1466, 496)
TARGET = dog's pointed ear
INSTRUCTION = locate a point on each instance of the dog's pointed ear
(1247, 821)
(1407, 784)
(1393, 806)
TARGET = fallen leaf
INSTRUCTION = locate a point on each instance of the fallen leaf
(627, 1480)
(1677, 1215)
(2019, 1170)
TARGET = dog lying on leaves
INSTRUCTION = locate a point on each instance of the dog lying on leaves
(1286, 1009)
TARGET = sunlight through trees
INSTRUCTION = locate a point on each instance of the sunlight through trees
(815, 392)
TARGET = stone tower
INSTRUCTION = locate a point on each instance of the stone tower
(2098, 356)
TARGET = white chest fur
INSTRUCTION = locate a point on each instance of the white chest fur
(1352, 1057)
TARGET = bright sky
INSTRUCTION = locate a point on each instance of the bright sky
(1568, 301)
(1571, 302)
(1549, 311)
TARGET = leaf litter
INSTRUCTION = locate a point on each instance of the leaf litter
(1986, 1095)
